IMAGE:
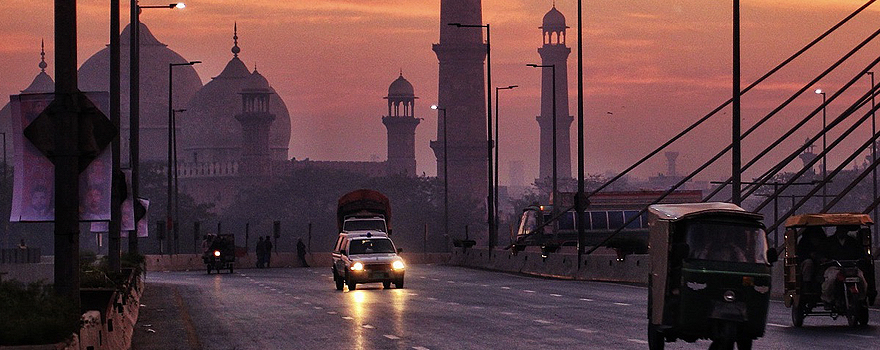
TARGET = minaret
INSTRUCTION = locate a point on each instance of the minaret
(255, 119)
(401, 124)
(554, 52)
(462, 92)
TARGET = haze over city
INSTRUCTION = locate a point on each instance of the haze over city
(651, 67)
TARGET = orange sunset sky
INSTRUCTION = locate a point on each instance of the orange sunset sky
(655, 65)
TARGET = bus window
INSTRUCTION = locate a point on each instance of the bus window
(599, 220)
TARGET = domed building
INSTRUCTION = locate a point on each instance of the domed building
(401, 124)
(155, 58)
(42, 83)
(209, 132)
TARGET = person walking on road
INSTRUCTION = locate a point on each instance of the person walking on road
(261, 253)
(301, 252)
(268, 257)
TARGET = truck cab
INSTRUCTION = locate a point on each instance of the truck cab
(365, 257)
(370, 223)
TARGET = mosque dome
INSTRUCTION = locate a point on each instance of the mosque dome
(209, 131)
(400, 88)
(554, 19)
(155, 58)
(42, 83)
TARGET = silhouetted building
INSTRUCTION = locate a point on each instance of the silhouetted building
(462, 92)
(42, 83)
(554, 52)
(401, 124)
(94, 75)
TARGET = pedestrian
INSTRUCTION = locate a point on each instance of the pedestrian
(261, 253)
(268, 244)
(21, 245)
(301, 252)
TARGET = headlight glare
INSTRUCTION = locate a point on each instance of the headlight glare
(397, 265)
(729, 296)
(357, 266)
(216, 253)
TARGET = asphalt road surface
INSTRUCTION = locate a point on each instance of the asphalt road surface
(440, 307)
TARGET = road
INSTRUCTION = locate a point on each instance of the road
(441, 307)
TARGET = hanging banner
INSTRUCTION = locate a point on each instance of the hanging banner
(144, 221)
(33, 197)
(127, 211)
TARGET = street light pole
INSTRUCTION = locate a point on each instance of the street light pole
(134, 104)
(114, 248)
(555, 193)
(493, 234)
(169, 222)
(873, 146)
(736, 148)
(824, 145)
(176, 188)
(497, 127)
(580, 201)
(445, 177)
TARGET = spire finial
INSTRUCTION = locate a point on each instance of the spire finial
(235, 48)
(554, 3)
(255, 67)
(401, 72)
(43, 64)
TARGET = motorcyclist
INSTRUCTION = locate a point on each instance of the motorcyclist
(841, 246)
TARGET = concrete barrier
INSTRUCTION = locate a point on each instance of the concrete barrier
(189, 262)
(28, 273)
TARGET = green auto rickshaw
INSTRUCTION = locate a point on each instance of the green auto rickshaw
(829, 253)
(710, 275)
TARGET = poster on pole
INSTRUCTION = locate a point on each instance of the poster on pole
(127, 210)
(144, 221)
(33, 197)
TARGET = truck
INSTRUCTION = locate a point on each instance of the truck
(364, 210)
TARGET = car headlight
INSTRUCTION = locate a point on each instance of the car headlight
(397, 265)
(216, 253)
(729, 296)
(357, 266)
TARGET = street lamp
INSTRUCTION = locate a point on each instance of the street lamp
(176, 173)
(134, 102)
(555, 193)
(490, 199)
(824, 155)
(172, 141)
(497, 126)
(445, 172)
(873, 145)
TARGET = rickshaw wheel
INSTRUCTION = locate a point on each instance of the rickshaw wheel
(209, 269)
(863, 316)
(797, 315)
(655, 338)
(744, 344)
(386, 284)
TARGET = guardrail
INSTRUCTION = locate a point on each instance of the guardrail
(20, 256)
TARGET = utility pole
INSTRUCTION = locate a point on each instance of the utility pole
(115, 227)
(66, 155)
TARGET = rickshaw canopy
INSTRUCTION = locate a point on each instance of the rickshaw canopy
(675, 212)
(835, 219)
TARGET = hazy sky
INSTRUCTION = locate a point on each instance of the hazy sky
(656, 65)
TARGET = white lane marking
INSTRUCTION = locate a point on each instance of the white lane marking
(411, 294)
(777, 325)
(435, 279)
(317, 307)
(422, 277)
(505, 288)
(621, 304)
(307, 303)
(859, 336)
(555, 295)
(450, 281)
(638, 341)
(347, 318)
(453, 303)
(297, 298)
(484, 285)
(272, 289)
(506, 313)
(432, 299)
(528, 291)
(543, 322)
(477, 307)
(331, 312)
(391, 336)
(586, 299)
(288, 294)
(420, 348)
(585, 330)
(368, 326)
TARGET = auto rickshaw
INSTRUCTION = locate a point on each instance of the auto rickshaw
(710, 275)
(220, 254)
(808, 256)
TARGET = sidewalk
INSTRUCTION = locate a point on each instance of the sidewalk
(164, 321)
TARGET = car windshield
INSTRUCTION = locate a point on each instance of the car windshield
(364, 225)
(370, 246)
(722, 241)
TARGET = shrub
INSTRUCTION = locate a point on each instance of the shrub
(33, 314)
